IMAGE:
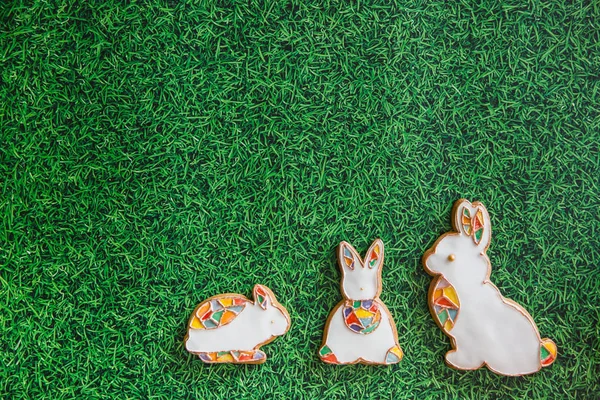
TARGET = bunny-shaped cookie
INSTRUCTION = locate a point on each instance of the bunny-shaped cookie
(485, 328)
(360, 329)
(229, 328)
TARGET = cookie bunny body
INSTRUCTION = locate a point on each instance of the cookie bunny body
(229, 328)
(485, 328)
(360, 329)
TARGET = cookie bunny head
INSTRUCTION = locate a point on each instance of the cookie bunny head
(269, 310)
(462, 253)
(361, 280)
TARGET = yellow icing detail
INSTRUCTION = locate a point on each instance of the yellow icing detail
(196, 324)
(479, 217)
(225, 358)
(360, 313)
(376, 318)
(376, 249)
(551, 347)
(397, 351)
(451, 295)
(448, 325)
(226, 302)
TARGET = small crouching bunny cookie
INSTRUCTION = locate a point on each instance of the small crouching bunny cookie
(360, 329)
(229, 328)
(485, 328)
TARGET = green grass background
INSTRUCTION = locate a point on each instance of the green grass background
(155, 153)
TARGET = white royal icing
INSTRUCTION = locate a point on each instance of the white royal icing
(488, 328)
(349, 346)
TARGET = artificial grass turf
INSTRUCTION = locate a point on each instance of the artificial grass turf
(156, 153)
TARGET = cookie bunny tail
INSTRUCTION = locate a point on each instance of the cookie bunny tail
(547, 352)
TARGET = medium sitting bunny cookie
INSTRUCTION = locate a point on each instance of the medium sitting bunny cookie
(485, 328)
(229, 328)
(360, 329)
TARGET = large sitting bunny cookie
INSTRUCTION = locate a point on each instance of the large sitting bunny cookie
(360, 329)
(485, 328)
(229, 328)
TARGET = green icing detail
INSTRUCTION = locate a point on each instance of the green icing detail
(356, 304)
(443, 316)
(545, 353)
(478, 234)
(260, 299)
(373, 262)
(371, 328)
(325, 350)
(466, 212)
(222, 353)
(217, 316)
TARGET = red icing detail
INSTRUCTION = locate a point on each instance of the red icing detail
(239, 302)
(444, 302)
(548, 360)
(260, 291)
(476, 224)
(206, 316)
(331, 358)
(351, 319)
(373, 307)
(373, 255)
(245, 356)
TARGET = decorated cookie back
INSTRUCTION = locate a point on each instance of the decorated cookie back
(218, 312)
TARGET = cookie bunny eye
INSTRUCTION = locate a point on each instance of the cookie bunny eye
(451, 257)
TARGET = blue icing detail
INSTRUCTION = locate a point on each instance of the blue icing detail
(215, 305)
(355, 327)
(391, 358)
(347, 311)
(204, 357)
(366, 321)
(366, 304)
(209, 324)
(236, 309)
(452, 313)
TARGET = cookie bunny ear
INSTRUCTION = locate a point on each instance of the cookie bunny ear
(473, 220)
(348, 257)
(374, 257)
(262, 296)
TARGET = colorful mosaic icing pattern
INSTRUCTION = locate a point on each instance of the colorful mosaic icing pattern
(348, 259)
(473, 226)
(233, 356)
(375, 255)
(218, 312)
(327, 355)
(394, 355)
(445, 304)
(362, 316)
(547, 352)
